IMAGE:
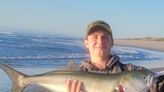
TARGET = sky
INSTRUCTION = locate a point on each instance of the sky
(127, 18)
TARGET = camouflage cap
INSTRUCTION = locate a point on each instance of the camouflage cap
(98, 23)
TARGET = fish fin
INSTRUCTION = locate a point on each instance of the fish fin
(72, 66)
(15, 76)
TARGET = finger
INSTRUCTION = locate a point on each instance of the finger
(73, 86)
(69, 83)
(153, 88)
(79, 87)
(150, 89)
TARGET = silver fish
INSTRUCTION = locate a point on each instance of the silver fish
(56, 81)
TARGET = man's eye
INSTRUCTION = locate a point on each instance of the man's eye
(106, 37)
(94, 37)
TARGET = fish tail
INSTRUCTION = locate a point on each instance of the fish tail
(15, 76)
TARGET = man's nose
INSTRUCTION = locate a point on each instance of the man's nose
(100, 40)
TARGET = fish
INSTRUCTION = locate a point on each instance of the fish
(56, 81)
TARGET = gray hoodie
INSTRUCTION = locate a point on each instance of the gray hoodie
(113, 66)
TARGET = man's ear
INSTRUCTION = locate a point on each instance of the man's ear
(86, 43)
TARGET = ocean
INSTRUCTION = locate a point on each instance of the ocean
(35, 54)
(31, 50)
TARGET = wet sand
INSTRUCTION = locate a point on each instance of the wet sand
(145, 44)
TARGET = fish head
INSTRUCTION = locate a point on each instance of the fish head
(135, 81)
(142, 76)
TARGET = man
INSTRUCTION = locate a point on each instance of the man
(99, 41)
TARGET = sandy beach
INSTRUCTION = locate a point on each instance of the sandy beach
(145, 44)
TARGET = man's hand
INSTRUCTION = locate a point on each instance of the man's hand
(74, 86)
(153, 88)
(158, 84)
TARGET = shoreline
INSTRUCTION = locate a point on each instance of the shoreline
(144, 44)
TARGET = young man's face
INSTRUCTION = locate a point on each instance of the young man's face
(99, 43)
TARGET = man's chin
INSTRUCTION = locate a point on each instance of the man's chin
(101, 54)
